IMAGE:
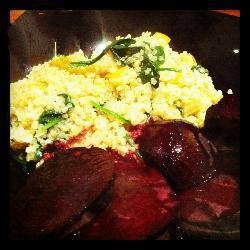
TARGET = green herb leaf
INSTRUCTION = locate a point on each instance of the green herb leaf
(132, 144)
(52, 123)
(67, 100)
(119, 58)
(38, 153)
(109, 112)
(128, 51)
(49, 118)
(121, 53)
(130, 140)
(122, 43)
(169, 69)
(160, 54)
(146, 77)
(199, 68)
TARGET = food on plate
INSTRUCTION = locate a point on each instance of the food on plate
(120, 146)
(223, 120)
(130, 80)
(180, 151)
(143, 204)
(212, 209)
(60, 192)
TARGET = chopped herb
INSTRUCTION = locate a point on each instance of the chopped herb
(132, 144)
(52, 123)
(109, 112)
(169, 69)
(38, 153)
(50, 118)
(130, 140)
(119, 53)
(118, 44)
(67, 100)
(160, 54)
(147, 64)
(199, 68)
(129, 51)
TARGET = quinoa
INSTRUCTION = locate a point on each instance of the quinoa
(185, 95)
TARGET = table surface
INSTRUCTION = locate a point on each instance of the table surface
(14, 14)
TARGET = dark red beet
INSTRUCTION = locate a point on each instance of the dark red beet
(58, 193)
(182, 153)
(93, 210)
(212, 200)
(223, 120)
(143, 204)
(212, 210)
(227, 108)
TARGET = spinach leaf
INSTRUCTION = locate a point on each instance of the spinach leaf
(67, 100)
(109, 112)
(52, 123)
(50, 118)
(129, 51)
(160, 54)
(145, 76)
(118, 44)
(119, 58)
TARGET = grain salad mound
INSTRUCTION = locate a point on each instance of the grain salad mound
(131, 81)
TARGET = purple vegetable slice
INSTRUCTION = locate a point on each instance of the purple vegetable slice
(60, 191)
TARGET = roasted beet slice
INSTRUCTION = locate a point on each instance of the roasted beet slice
(143, 204)
(182, 153)
(60, 191)
(89, 214)
(223, 120)
(225, 228)
(218, 197)
(211, 209)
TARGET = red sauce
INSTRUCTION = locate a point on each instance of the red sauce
(76, 139)
(136, 131)
(62, 145)
(47, 156)
(130, 158)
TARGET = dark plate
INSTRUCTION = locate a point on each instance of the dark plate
(211, 37)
